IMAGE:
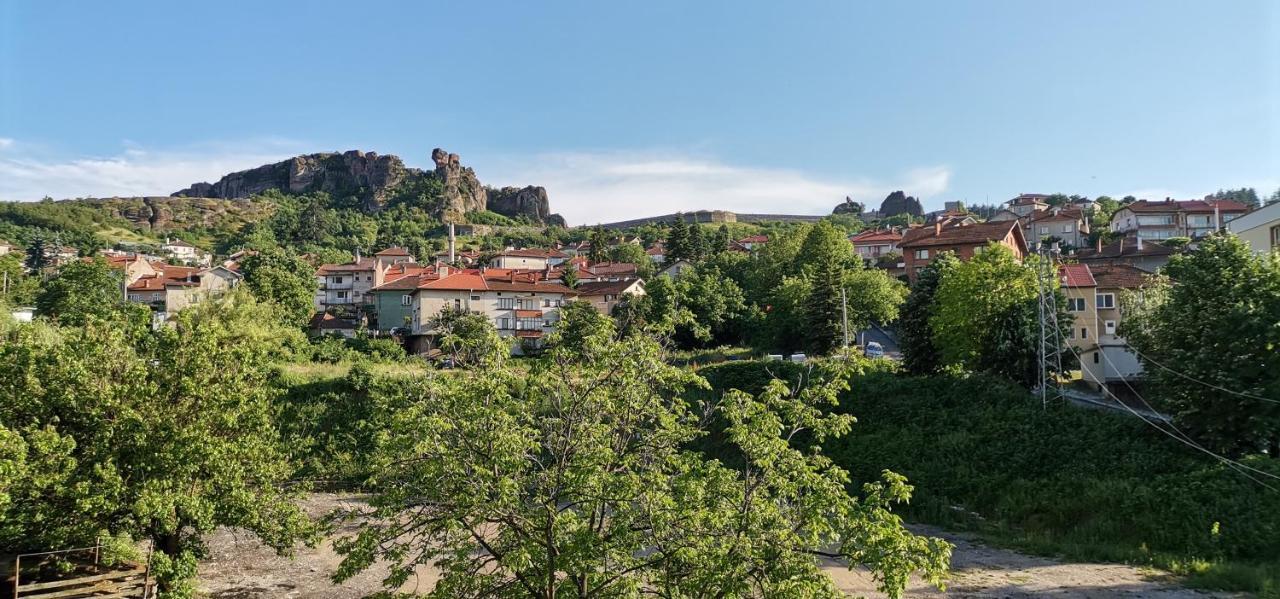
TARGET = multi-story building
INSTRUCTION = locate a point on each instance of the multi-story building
(605, 295)
(871, 244)
(528, 259)
(519, 306)
(167, 288)
(922, 245)
(1078, 286)
(1170, 218)
(349, 284)
(1260, 229)
(1109, 359)
(182, 251)
(1066, 225)
(1027, 203)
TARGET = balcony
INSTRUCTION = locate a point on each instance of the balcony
(528, 313)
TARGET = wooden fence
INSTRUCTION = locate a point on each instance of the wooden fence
(89, 579)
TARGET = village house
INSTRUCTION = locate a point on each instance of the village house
(657, 253)
(346, 284)
(871, 244)
(528, 259)
(6, 247)
(1066, 225)
(177, 249)
(1260, 229)
(1170, 218)
(921, 245)
(168, 288)
(520, 306)
(1027, 204)
(604, 296)
(753, 241)
(1130, 251)
(1109, 359)
(1078, 286)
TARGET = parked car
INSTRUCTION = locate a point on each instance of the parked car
(874, 350)
(799, 358)
(773, 358)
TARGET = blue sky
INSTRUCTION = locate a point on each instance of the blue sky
(624, 109)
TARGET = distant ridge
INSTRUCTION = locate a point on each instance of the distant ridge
(713, 216)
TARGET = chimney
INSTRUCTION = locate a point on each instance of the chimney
(357, 255)
(1217, 217)
(452, 242)
(937, 228)
(444, 271)
(1099, 246)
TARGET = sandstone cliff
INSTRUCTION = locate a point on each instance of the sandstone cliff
(531, 202)
(376, 180)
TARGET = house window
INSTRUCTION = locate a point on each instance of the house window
(1044, 229)
(405, 300)
(342, 295)
(475, 298)
(559, 303)
(1075, 304)
(506, 303)
(922, 254)
(1110, 327)
(504, 323)
(457, 303)
(1066, 228)
(1095, 356)
(546, 303)
(337, 280)
(1275, 237)
(546, 324)
(528, 324)
(1071, 333)
(1084, 333)
(1106, 300)
(978, 249)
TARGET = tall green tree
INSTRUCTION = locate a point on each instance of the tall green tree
(825, 328)
(915, 333)
(576, 478)
(698, 243)
(85, 290)
(468, 339)
(1208, 337)
(677, 245)
(38, 253)
(282, 277)
(599, 245)
(721, 240)
(164, 438)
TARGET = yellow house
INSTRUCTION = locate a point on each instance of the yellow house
(1079, 288)
(1260, 228)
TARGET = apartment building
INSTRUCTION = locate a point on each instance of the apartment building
(1069, 226)
(1093, 299)
(519, 305)
(1171, 218)
(871, 244)
(1260, 229)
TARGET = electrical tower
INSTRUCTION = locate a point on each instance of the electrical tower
(1050, 333)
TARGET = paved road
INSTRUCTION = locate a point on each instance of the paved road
(878, 335)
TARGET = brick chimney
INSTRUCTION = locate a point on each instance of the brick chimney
(937, 228)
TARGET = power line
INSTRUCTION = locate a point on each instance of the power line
(1196, 380)
(1177, 434)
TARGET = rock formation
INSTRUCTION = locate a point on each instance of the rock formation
(463, 192)
(367, 175)
(900, 203)
(375, 179)
(530, 202)
(848, 206)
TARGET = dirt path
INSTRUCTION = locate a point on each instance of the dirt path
(240, 567)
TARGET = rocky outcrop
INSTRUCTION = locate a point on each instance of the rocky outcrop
(462, 191)
(165, 213)
(376, 180)
(848, 206)
(528, 202)
(900, 203)
(368, 175)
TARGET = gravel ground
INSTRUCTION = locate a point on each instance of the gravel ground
(239, 567)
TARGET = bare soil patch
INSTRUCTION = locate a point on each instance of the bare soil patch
(239, 567)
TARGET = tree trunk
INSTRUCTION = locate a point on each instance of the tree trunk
(1273, 448)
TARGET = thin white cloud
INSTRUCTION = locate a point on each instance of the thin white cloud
(134, 171)
(589, 188)
(6, 143)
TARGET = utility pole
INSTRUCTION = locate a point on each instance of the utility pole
(1050, 333)
(844, 318)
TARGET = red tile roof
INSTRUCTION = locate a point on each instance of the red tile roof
(876, 236)
(1119, 276)
(605, 287)
(534, 253)
(1075, 275)
(1186, 206)
(976, 234)
(395, 251)
(755, 239)
(1074, 214)
(363, 265)
(1125, 248)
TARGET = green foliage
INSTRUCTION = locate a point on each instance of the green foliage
(1245, 195)
(599, 245)
(700, 308)
(1094, 485)
(164, 437)
(488, 217)
(915, 333)
(633, 254)
(17, 288)
(281, 277)
(985, 315)
(575, 478)
(468, 339)
(89, 290)
(678, 246)
(1214, 320)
